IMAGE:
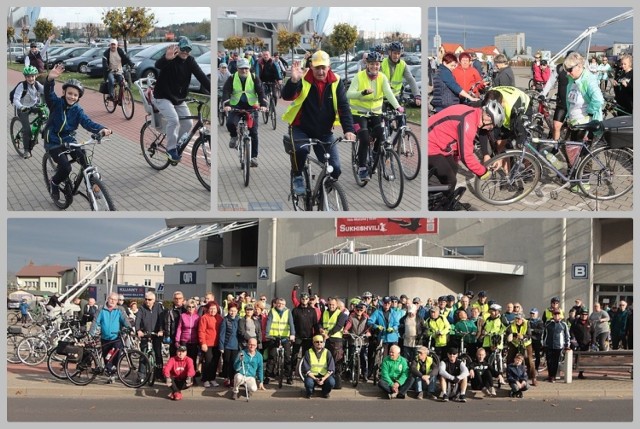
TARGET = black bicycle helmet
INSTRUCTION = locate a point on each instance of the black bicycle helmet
(374, 56)
(396, 46)
(75, 83)
(378, 48)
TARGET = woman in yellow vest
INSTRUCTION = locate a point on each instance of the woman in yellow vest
(366, 93)
(318, 368)
(519, 337)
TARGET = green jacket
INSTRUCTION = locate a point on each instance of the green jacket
(394, 370)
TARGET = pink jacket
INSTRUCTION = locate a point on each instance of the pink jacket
(187, 331)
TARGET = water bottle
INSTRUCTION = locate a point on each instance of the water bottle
(183, 139)
(111, 353)
(552, 159)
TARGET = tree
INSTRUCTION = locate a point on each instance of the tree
(43, 28)
(254, 41)
(11, 33)
(344, 37)
(91, 31)
(234, 42)
(129, 23)
(288, 40)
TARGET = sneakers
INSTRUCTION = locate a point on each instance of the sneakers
(444, 398)
(420, 395)
(486, 391)
(493, 391)
(401, 396)
(112, 379)
(173, 155)
(307, 395)
(298, 185)
(462, 398)
(206, 384)
(289, 380)
(519, 394)
(171, 396)
(233, 143)
(227, 383)
(214, 383)
(54, 190)
(254, 162)
(393, 395)
(266, 380)
(326, 396)
(177, 396)
(363, 174)
(27, 155)
(234, 395)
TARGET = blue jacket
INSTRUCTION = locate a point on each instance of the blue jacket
(252, 365)
(446, 90)
(24, 308)
(110, 321)
(377, 319)
(64, 120)
(228, 337)
(516, 373)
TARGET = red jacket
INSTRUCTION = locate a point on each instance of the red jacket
(451, 133)
(466, 78)
(179, 369)
(208, 329)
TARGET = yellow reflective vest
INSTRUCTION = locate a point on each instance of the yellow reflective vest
(318, 365)
(370, 102)
(249, 90)
(519, 330)
(279, 324)
(292, 111)
(396, 80)
(329, 321)
(510, 96)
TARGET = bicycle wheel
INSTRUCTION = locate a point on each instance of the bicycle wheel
(355, 369)
(407, 146)
(390, 178)
(201, 160)
(49, 168)
(272, 114)
(32, 351)
(301, 202)
(151, 368)
(16, 135)
(331, 196)
(222, 115)
(299, 369)
(265, 115)
(84, 371)
(12, 348)
(127, 103)
(531, 85)
(466, 359)
(153, 145)
(280, 369)
(55, 364)
(109, 104)
(606, 173)
(99, 198)
(512, 178)
(128, 368)
(245, 162)
(12, 319)
(354, 164)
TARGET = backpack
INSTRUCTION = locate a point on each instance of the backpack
(13, 91)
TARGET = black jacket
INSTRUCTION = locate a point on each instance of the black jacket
(150, 320)
(304, 320)
(175, 76)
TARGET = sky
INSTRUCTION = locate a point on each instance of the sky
(545, 28)
(63, 241)
(165, 15)
(403, 19)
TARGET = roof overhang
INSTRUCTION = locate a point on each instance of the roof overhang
(298, 264)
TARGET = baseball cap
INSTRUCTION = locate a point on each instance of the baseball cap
(555, 299)
(113, 42)
(386, 300)
(519, 316)
(182, 348)
(469, 293)
(395, 298)
(360, 306)
(248, 307)
(482, 294)
(184, 42)
(243, 64)
(320, 58)
(451, 298)
(584, 311)
(416, 300)
(533, 310)
(367, 294)
(452, 351)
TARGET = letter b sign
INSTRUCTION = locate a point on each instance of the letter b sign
(579, 271)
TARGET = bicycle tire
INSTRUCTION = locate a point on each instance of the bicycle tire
(49, 168)
(110, 105)
(153, 145)
(331, 196)
(32, 351)
(609, 172)
(355, 369)
(103, 201)
(83, 372)
(222, 115)
(506, 187)
(246, 160)
(55, 364)
(407, 146)
(128, 368)
(127, 103)
(354, 164)
(265, 114)
(151, 368)
(390, 178)
(272, 114)
(12, 348)
(531, 86)
(15, 130)
(280, 369)
(201, 160)
(12, 319)
(299, 369)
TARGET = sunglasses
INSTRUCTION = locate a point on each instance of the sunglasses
(191, 306)
(318, 342)
(148, 299)
(185, 49)
(569, 69)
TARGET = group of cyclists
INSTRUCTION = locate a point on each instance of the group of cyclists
(66, 116)
(357, 108)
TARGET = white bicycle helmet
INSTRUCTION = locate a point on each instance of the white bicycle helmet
(496, 112)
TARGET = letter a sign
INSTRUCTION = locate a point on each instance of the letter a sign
(263, 273)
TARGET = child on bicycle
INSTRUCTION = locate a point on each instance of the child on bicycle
(25, 98)
(64, 118)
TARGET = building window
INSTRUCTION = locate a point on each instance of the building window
(147, 282)
(463, 251)
(99, 281)
(156, 268)
(147, 267)
(87, 267)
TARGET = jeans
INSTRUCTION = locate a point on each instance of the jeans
(64, 164)
(431, 386)
(111, 79)
(299, 157)
(26, 130)
(232, 127)
(327, 386)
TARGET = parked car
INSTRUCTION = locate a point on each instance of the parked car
(412, 59)
(200, 38)
(416, 71)
(14, 53)
(68, 54)
(94, 68)
(145, 60)
(69, 40)
(79, 63)
(352, 69)
(13, 304)
(204, 61)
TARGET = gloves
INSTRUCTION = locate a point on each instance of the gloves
(25, 109)
(486, 175)
(389, 330)
(400, 109)
(380, 328)
(455, 380)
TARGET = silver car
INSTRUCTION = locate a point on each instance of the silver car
(204, 61)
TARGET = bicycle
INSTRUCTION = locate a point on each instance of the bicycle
(604, 173)
(406, 144)
(497, 358)
(353, 357)
(37, 128)
(148, 373)
(86, 181)
(269, 92)
(34, 349)
(611, 107)
(88, 363)
(279, 363)
(123, 95)
(243, 145)
(326, 194)
(441, 199)
(378, 357)
(153, 137)
(14, 337)
(222, 114)
(58, 354)
(386, 163)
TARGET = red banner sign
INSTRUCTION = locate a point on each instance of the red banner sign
(358, 227)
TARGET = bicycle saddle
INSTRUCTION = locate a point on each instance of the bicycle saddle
(594, 126)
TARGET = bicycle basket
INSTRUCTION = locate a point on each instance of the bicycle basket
(288, 144)
(74, 353)
(619, 131)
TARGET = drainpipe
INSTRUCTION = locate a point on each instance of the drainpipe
(420, 247)
(563, 257)
(274, 258)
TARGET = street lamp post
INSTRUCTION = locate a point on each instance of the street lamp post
(375, 28)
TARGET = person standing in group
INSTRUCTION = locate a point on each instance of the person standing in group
(504, 76)
(410, 331)
(305, 320)
(280, 328)
(208, 330)
(331, 326)
(244, 91)
(537, 328)
(623, 86)
(319, 102)
(248, 368)
(110, 320)
(555, 339)
(149, 319)
(228, 343)
(467, 76)
(249, 327)
(600, 324)
(176, 67)
(604, 73)
(619, 326)
(24, 311)
(171, 317)
(580, 332)
(187, 331)
(446, 90)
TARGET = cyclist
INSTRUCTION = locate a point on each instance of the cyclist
(410, 330)
(438, 328)
(453, 371)
(492, 327)
(520, 334)
(365, 94)
(555, 339)
(425, 373)
(305, 319)
(149, 319)
(396, 70)
(64, 118)
(37, 58)
(223, 75)
(319, 103)
(385, 323)
(357, 325)
(537, 327)
(228, 343)
(451, 135)
(25, 101)
(269, 72)
(176, 67)
(279, 327)
(244, 91)
(113, 59)
(553, 306)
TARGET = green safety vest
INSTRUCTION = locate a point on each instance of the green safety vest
(439, 324)
(279, 324)
(371, 102)
(522, 329)
(292, 111)
(249, 90)
(510, 95)
(318, 365)
(396, 80)
(491, 326)
(329, 321)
